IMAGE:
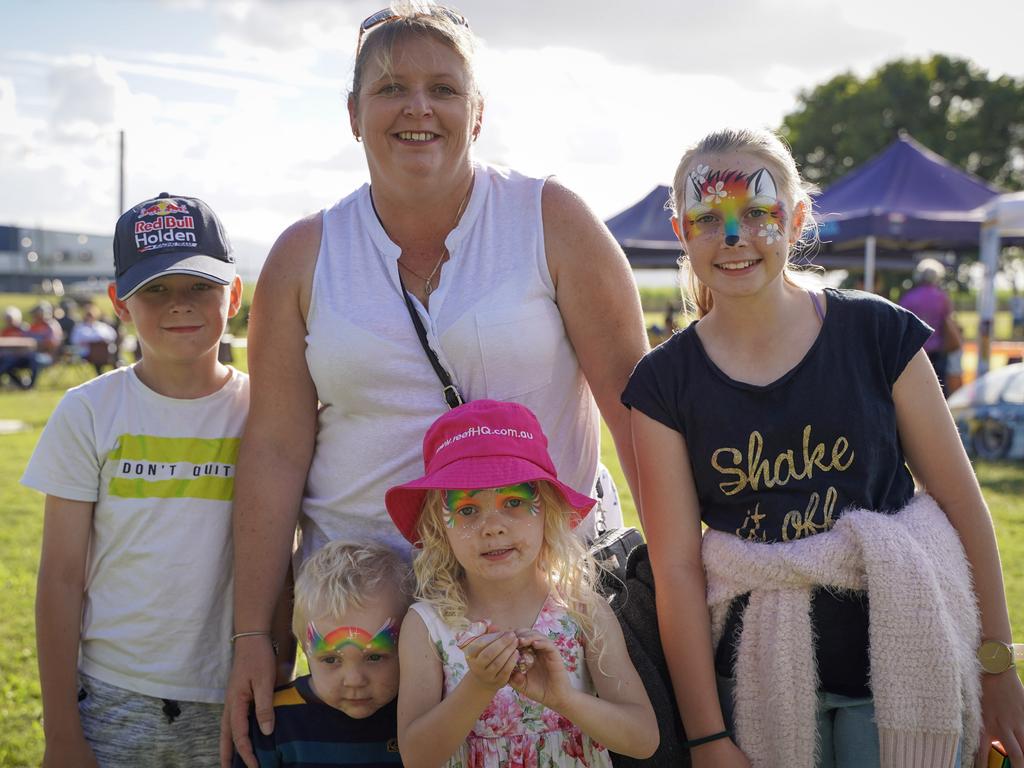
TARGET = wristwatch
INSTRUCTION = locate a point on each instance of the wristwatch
(997, 657)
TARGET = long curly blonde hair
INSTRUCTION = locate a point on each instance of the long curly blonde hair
(570, 570)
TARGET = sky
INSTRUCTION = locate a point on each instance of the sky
(242, 102)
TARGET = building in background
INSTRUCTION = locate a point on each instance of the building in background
(33, 259)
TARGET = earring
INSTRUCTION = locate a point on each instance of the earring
(358, 137)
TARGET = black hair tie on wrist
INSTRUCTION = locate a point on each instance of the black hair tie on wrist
(726, 734)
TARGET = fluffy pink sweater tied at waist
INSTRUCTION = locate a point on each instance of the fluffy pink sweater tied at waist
(924, 631)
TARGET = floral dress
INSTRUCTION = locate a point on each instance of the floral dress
(515, 731)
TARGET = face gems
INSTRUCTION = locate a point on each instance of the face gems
(385, 641)
(460, 507)
(722, 202)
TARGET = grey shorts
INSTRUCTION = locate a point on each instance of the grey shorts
(129, 730)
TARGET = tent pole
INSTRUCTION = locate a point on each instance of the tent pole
(869, 264)
(990, 243)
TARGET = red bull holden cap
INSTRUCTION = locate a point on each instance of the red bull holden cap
(170, 235)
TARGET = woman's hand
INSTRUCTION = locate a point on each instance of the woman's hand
(718, 754)
(546, 680)
(492, 657)
(251, 684)
(1002, 715)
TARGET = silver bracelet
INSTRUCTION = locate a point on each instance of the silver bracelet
(249, 634)
(273, 642)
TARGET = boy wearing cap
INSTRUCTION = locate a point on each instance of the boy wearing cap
(133, 617)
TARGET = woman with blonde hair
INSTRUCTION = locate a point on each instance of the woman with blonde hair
(521, 292)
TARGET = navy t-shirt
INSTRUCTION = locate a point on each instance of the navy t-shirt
(311, 734)
(780, 462)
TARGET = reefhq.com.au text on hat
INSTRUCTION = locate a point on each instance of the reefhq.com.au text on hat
(521, 434)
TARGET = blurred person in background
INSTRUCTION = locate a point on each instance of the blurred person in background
(67, 315)
(91, 330)
(931, 304)
(17, 362)
(45, 329)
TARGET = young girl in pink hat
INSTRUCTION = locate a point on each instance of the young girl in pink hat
(508, 642)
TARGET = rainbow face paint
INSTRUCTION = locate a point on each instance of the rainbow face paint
(723, 202)
(460, 507)
(385, 641)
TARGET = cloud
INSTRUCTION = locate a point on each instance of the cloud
(8, 107)
(296, 26)
(86, 96)
(609, 130)
(738, 39)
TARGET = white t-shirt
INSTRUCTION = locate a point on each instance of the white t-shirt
(493, 323)
(157, 612)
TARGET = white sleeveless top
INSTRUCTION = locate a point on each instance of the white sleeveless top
(493, 323)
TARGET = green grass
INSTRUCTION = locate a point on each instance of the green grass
(21, 733)
(21, 736)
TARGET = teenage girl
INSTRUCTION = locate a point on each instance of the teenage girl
(509, 657)
(770, 419)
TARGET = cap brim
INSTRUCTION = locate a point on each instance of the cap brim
(404, 502)
(176, 263)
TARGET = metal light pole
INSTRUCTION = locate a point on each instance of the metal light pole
(120, 195)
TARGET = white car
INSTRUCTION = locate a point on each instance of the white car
(989, 414)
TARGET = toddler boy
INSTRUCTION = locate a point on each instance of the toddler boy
(349, 603)
(133, 618)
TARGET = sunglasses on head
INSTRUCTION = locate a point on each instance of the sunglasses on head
(387, 15)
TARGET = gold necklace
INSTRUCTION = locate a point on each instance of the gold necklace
(427, 289)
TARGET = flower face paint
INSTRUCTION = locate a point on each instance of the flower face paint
(385, 641)
(462, 507)
(720, 203)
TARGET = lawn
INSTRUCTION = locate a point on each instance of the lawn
(21, 734)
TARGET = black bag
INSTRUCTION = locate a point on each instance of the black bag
(611, 550)
(633, 604)
(612, 546)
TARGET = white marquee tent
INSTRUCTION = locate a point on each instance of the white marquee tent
(1004, 217)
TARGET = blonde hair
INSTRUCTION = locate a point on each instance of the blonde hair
(416, 18)
(769, 148)
(342, 575)
(568, 567)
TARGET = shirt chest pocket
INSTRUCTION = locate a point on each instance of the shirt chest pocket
(519, 348)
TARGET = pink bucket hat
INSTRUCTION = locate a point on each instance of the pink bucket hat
(482, 444)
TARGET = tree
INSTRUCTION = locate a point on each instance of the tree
(947, 104)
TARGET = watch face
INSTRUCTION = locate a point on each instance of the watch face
(995, 657)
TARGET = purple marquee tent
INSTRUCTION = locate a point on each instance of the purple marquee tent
(904, 200)
(644, 231)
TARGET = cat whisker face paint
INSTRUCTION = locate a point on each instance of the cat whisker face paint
(384, 641)
(728, 203)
